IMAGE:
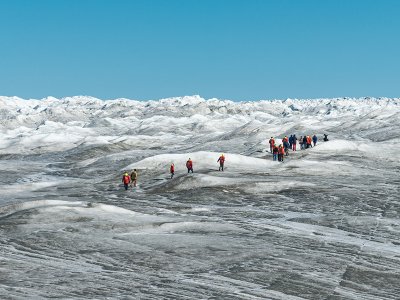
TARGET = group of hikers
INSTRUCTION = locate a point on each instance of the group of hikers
(189, 165)
(278, 153)
(305, 142)
(132, 179)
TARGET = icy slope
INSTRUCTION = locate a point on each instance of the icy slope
(322, 225)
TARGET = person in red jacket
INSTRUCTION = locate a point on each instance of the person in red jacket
(271, 144)
(309, 145)
(221, 161)
(275, 153)
(189, 165)
(126, 179)
(172, 170)
(281, 153)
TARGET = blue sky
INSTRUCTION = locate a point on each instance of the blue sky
(238, 50)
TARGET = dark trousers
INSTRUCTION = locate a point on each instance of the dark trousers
(221, 167)
(126, 186)
(190, 170)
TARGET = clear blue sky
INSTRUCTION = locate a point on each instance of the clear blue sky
(238, 50)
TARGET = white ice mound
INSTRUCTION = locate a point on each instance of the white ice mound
(345, 146)
(202, 160)
(21, 206)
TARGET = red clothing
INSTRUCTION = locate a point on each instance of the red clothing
(221, 159)
(126, 179)
(272, 142)
(276, 150)
(189, 164)
(309, 140)
(172, 169)
(281, 150)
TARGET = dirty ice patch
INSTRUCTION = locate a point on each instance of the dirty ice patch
(90, 217)
(274, 187)
(334, 235)
(195, 227)
(32, 183)
(21, 206)
(202, 181)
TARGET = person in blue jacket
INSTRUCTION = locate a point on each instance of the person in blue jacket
(290, 141)
(314, 139)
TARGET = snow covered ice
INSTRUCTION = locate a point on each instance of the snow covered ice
(322, 225)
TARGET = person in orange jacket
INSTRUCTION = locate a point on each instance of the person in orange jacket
(189, 165)
(126, 179)
(271, 144)
(281, 153)
(309, 145)
(172, 170)
(221, 161)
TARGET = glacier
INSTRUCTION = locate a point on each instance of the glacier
(324, 224)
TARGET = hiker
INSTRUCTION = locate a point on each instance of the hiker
(286, 147)
(275, 153)
(325, 137)
(301, 142)
(189, 165)
(314, 139)
(172, 170)
(305, 142)
(281, 153)
(134, 177)
(271, 144)
(290, 141)
(294, 142)
(221, 161)
(126, 180)
(308, 139)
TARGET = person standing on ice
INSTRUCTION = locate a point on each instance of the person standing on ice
(291, 141)
(305, 142)
(221, 161)
(294, 142)
(134, 177)
(172, 170)
(281, 153)
(286, 146)
(189, 165)
(314, 139)
(325, 137)
(126, 180)
(271, 144)
(275, 153)
(308, 141)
